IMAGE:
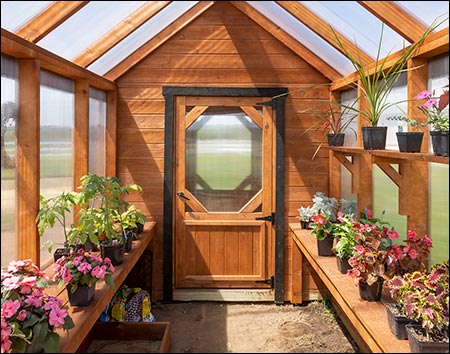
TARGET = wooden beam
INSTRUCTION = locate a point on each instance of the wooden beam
(28, 151)
(50, 18)
(18, 47)
(288, 40)
(81, 134)
(395, 17)
(119, 32)
(158, 39)
(111, 133)
(434, 44)
(323, 29)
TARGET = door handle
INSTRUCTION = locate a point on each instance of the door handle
(182, 195)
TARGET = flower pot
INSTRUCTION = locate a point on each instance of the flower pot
(440, 142)
(374, 138)
(397, 322)
(325, 247)
(409, 141)
(371, 292)
(82, 296)
(418, 342)
(304, 224)
(128, 236)
(114, 252)
(343, 265)
(336, 139)
(60, 252)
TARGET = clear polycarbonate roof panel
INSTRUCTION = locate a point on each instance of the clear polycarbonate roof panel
(364, 29)
(427, 11)
(86, 26)
(304, 35)
(139, 37)
(15, 14)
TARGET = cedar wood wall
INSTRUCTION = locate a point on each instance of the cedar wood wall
(221, 48)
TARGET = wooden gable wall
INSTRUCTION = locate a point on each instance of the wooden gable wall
(221, 48)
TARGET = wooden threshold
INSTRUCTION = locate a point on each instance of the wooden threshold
(227, 295)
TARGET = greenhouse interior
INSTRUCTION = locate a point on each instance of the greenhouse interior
(132, 129)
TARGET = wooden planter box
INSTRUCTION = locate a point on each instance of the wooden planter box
(120, 333)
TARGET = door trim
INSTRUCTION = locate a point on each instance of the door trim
(278, 104)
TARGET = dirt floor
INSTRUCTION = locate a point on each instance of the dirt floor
(215, 327)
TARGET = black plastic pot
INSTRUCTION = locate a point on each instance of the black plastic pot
(325, 247)
(371, 292)
(336, 139)
(418, 345)
(343, 265)
(397, 323)
(409, 141)
(374, 138)
(114, 252)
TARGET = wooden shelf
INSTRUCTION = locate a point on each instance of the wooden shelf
(366, 321)
(85, 317)
(394, 154)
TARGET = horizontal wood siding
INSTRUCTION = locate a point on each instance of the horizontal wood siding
(222, 48)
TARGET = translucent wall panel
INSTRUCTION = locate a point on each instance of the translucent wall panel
(97, 131)
(385, 201)
(10, 100)
(427, 11)
(396, 106)
(56, 147)
(438, 73)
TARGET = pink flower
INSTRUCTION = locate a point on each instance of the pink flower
(430, 102)
(56, 317)
(84, 267)
(99, 272)
(411, 234)
(359, 249)
(424, 94)
(10, 308)
(11, 283)
(22, 315)
(413, 253)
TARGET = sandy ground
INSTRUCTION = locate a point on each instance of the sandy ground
(214, 327)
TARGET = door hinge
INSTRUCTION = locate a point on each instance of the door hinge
(270, 281)
(270, 218)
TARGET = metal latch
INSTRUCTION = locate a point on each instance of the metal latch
(270, 281)
(270, 218)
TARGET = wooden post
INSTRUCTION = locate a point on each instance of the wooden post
(365, 181)
(28, 151)
(111, 133)
(81, 134)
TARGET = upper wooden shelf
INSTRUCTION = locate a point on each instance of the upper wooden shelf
(393, 154)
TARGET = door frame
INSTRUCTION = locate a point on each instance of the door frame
(278, 104)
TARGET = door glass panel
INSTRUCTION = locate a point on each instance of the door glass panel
(223, 159)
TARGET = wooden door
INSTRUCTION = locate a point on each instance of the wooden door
(224, 200)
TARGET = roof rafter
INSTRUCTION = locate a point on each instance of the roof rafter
(322, 29)
(396, 18)
(46, 21)
(435, 44)
(158, 40)
(121, 31)
(287, 40)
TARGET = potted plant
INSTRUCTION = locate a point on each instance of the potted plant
(411, 140)
(436, 111)
(344, 248)
(305, 216)
(323, 229)
(410, 257)
(29, 315)
(375, 82)
(333, 125)
(80, 271)
(372, 256)
(130, 220)
(326, 205)
(100, 217)
(424, 299)
(54, 210)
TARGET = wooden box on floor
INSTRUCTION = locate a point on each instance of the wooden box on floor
(122, 332)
